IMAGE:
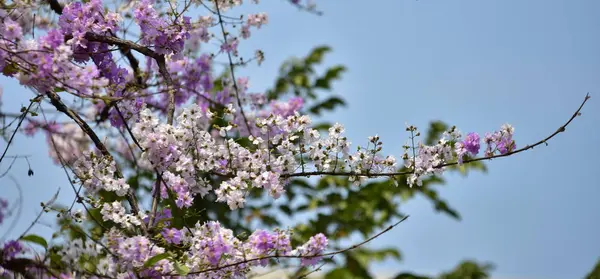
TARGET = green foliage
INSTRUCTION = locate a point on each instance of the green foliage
(180, 268)
(595, 273)
(36, 239)
(409, 276)
(465, 270)
(469, 270)
(299, 76)
(152, 261)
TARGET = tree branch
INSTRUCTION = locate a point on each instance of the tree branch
(60, 106)
(23, 116)
(55, 6)
(235, 87)
(527, 147)
(120, 42)
(389, 228)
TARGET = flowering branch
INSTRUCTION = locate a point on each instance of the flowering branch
(319, 255)
(201, 154)
(561, 129)
(60, 106)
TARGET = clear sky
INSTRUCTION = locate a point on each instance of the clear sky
(474, 64)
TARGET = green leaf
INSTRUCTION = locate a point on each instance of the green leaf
(322, 126)
(328, 104)
(469, 269)
(36, 239)
(365, 256)
(181, 269)
(10, 69)
(595, 273)
(331, 74)
(436, 129)
(356, 267)
(316, 56)
(340, 273)
(300, 80)
(406, 275)
(286, 209)
(152, 261)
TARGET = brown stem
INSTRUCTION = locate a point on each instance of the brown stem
(60, 106)
(162, 69)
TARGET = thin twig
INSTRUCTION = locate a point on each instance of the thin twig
(33, 101)
(64, 166)
(17, 216)
(46, 204)
(231, 66)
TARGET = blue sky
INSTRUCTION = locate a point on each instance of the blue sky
(474, 64)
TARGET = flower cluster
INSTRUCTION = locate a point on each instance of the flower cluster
(116, 213)
(78, 18)
(278, 142)
(191, 77)
(185, 150)
(253, 20)
(500, 141)
(98, 173)
(165, 37)
(312, 249)
(283, 108)
(430, 160)
(11, 249)
(46, 64)
(206, 246)
(72, 251)
(261, 243)
(225, 5)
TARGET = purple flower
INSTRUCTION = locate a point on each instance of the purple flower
(460, 150)
(471, 143)
(506, 144)
(172, 235)
(53, 39)
(282, 243)
(216, 248)
(12, 30)
(184, 199)
(315, 246)
(11, 249)
(263, 241)
(166, 38)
